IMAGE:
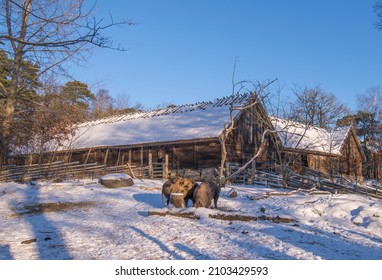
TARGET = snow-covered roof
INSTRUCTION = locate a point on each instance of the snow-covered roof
(294, 135)
(186, 122)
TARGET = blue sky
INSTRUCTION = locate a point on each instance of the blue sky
(183, 51)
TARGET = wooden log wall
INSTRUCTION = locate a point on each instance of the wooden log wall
(246, 140)
(352, 158)
(190, 155)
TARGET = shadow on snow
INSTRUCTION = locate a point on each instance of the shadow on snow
(162, 246)
(46, 236)
(327, 245)
(152, 199)
(5, 252)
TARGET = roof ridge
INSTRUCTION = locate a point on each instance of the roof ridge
(173, 109)
(327, 140)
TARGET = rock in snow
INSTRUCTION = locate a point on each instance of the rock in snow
(232, 193)
(116, 180)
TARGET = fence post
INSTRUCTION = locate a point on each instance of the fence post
(129, 157)
(151, 172)
(165, 167)
(253, 171)
(106, 155)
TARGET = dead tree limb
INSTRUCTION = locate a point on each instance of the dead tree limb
(308, 192)
(257, 98)
(225, 217)
(259, 153)
(188, 215)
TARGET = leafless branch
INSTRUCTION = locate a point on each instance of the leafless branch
(259, 153)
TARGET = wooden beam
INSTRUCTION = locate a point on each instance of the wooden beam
(195, 147)
(119, 156)
(131, 170)
(123, 159)
(141, 155)
(106, 155)
(129, 160)
(165, 167)
(225, 217)
(87, 156)
(151, 171)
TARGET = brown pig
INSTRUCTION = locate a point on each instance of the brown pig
(178, 185)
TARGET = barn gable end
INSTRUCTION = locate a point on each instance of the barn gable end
(336, 151)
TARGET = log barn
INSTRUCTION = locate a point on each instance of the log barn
(335, 152)
(376, 166)
(175, 138)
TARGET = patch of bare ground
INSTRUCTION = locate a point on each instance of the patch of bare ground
(40, 208)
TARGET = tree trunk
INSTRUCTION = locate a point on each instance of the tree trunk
(6, 125)
(177, 199)
(223, 154)
(11, 98)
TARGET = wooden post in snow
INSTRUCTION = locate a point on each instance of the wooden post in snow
(87, 156)
(131, 170)
(227, 169)
(165, 167)
(106, 155)
(142, 156)
(177, 200)
(129, 156)
(253, 172)
(151, 171)
(123, 159)
(119, 156)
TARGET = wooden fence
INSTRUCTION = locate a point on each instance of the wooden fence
(58, 171)
(312, 179)
(74, 170)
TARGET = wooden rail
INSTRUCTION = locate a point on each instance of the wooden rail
(58, 170)
(74, 170)
(314, 179)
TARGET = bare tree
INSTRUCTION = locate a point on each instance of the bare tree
(315, 107)
(369, 127)
(299, 145)
(122, 105)
(370, 104)
(260, 152)
(378, 11)
(47, 34)
(259, 93)
(122, 101)
(102, 104)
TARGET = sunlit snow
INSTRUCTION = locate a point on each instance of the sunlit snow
(83, 220)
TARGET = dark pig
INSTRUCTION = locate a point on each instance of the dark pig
(205, 193)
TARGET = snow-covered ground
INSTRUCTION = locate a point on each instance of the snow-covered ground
(84, 220)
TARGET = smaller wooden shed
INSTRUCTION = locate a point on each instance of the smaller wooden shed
(336, 151)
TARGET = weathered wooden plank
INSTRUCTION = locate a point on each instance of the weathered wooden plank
(226, 217)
